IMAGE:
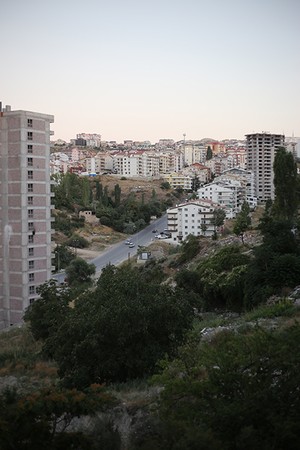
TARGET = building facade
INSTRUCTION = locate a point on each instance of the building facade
(25, 210)
(191, 218)
(261, 150)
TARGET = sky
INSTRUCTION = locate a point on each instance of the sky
(154, 69)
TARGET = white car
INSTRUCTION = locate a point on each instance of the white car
(131, 245)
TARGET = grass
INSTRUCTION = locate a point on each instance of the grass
(284, 308)
(20, 355)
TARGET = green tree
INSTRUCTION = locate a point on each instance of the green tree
(242, 221)
(165, 185)
(222, 278)
(117, 195)
(189, 249)
(121, 330)
(234, 392)
(86, 191)
(218, 219)
(46, 314)
(209, 153)
(99, 191)
(63, 256)
(79, 273)
(286, 185)
(40, 420)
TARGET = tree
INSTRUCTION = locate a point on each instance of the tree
(217, 220)
(190, 248)
(286, 185)
(79, 272)
(86, 191)
(117, 195)
(99, 191)
(121, 330)
(242, 221)
(46, 313)
(280, 246)
(222, 278)
(239, 391)
(63, 256)
(195, 183)
(40, 420)
(209, 153)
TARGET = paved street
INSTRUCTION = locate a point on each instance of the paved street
(119, 252)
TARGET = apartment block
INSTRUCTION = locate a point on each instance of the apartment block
(191, 218)
(224, 194)
(25, 210)
(261, 150)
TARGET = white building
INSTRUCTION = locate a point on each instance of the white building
(193, 154)
(100, 163)
(245, 178)
(191, 218)
(224, 194)
(179, 181)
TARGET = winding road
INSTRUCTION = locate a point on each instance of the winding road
(118, 253)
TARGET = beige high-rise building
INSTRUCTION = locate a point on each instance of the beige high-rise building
(25, 210)
(261, 150)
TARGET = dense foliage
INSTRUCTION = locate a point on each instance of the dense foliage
(233, 392)
(122, 213)
(218, 280)
(79, 273)
(40, 419)
(115, 332)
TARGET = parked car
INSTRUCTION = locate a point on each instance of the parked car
(154, 231)
(128, 242)
(131, 245)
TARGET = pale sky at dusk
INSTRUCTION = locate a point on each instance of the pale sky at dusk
(153, 69)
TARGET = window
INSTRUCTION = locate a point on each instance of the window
(29, 187)
(30, 214)
(29, 135)
(29, 148)
(30, 225)
(30, 264)
(30, 200)
(31, 290)
(30, 174)
(30, 162)
(31, 251)
(31, 300)
(30, 239)
(31, 277)
(29, 123)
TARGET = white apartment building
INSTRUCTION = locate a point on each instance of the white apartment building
(246, 180)
(148, 164)
(92, 139)
(261, 150)
(25, 210)
(170, 162)
(193, 154)
(136, 164)
(224, 194)
(179, 181)
(126, 164)
(191, 218)
(100, 163)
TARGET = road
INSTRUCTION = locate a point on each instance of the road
(120, 252)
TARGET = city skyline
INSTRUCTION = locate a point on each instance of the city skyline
(146, 70)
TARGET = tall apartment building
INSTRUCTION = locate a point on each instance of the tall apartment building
(261, 150)
(25, 210)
